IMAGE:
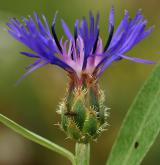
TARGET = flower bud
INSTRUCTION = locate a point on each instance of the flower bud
(83, 114)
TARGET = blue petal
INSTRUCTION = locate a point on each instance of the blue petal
(29, 54)
(31, 70)
(60, 63)
(33, 64)
(97, 23)
(131, 40)
(107, 63)
(122, 28)
(139, 60)
(91, 25)
(111, 20)
(84, 28)
(40, 24)
(66, 30)
(144, 34)
(46, 24)
(54, 18)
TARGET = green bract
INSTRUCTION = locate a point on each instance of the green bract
(83, 113)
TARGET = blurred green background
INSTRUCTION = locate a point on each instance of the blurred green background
(34, 102)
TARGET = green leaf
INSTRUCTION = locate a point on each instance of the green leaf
(140, 126)
(36, 138)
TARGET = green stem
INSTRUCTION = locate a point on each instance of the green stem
(36, 138)
(82, 154)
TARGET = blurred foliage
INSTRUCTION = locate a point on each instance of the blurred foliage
(34, 102)
(143, 118)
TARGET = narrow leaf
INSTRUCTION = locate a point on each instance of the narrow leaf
(36, 138)
(141, 125)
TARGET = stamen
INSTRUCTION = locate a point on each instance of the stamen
(75, 34)
(56, 38)
(95, 44)
(72, 55)
(109, 38)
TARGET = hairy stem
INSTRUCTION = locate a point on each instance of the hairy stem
(82, 156)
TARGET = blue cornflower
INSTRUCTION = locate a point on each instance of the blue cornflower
(84, 57)
(84, 51)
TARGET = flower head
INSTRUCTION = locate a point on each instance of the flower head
(83, 52)
(84, 56)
